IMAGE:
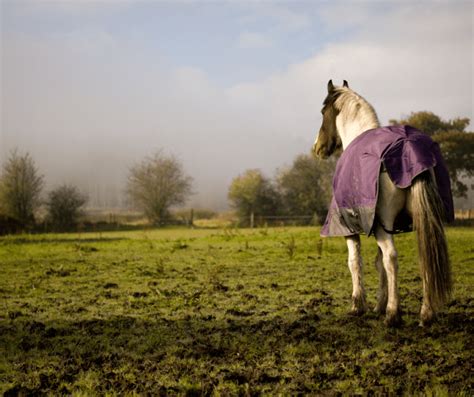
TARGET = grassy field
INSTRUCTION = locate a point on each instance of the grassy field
(221, 312)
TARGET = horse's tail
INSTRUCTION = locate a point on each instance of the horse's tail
(428, 216)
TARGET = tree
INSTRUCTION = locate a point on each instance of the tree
(306, 186)
(64, 207)
(252, 194)
(458, 152)
(456, 144)
(431, 124)
(20, 188)
(156, 184)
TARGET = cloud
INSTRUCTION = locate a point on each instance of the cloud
(280, 15)
(398, 63)
(254, 40)
(66, 8)
(287, 18)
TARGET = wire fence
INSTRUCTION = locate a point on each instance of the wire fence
(283, 220)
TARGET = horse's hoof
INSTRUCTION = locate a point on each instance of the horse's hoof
(357, 312)
(379, 311)
(426, 321)
(393, 320)
(359, 306)
(427, 317)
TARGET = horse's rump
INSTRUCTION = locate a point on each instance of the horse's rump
(404, 153)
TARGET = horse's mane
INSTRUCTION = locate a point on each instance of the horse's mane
(351, 105)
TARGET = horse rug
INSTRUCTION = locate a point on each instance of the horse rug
(403, 152)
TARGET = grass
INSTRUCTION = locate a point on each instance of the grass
(221, 312)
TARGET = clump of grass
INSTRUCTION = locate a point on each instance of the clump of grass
(85, 248)
(319, 248)
(179, 245)
(160, 266)
(230, 233)
(147, 240)
(290, 247)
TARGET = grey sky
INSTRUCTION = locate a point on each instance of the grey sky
(90, 87)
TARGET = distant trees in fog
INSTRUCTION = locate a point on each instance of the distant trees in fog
(157, 183)
(20, 188)
(154, 185)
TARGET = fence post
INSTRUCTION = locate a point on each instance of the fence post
(191, 218)
(251, 220)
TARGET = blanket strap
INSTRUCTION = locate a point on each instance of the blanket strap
(384, 228)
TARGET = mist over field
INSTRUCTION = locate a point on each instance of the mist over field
(90, 88)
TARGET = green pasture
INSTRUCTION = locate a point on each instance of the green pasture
(221, 312)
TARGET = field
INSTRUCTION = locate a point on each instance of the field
(221, 312)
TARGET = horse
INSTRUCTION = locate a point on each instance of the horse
(346, 117)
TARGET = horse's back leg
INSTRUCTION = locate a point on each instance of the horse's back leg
(391, 201)
(382, 296)
(355, 266)
(390, 264)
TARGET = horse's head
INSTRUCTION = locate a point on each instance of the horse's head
(328, 139)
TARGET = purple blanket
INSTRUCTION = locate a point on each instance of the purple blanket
(402, 151)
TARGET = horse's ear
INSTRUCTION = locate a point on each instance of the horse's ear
(330, 86)
(345, 84)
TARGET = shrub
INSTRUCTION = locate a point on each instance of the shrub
(64, 207)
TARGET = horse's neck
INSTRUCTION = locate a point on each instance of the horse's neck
(349, 131)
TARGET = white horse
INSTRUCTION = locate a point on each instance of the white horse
(346, 115)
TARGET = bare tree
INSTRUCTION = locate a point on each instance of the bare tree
(20, 188)
(156, 184)
(64, 207)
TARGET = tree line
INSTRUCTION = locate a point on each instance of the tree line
(159, 182)
(302, 189)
